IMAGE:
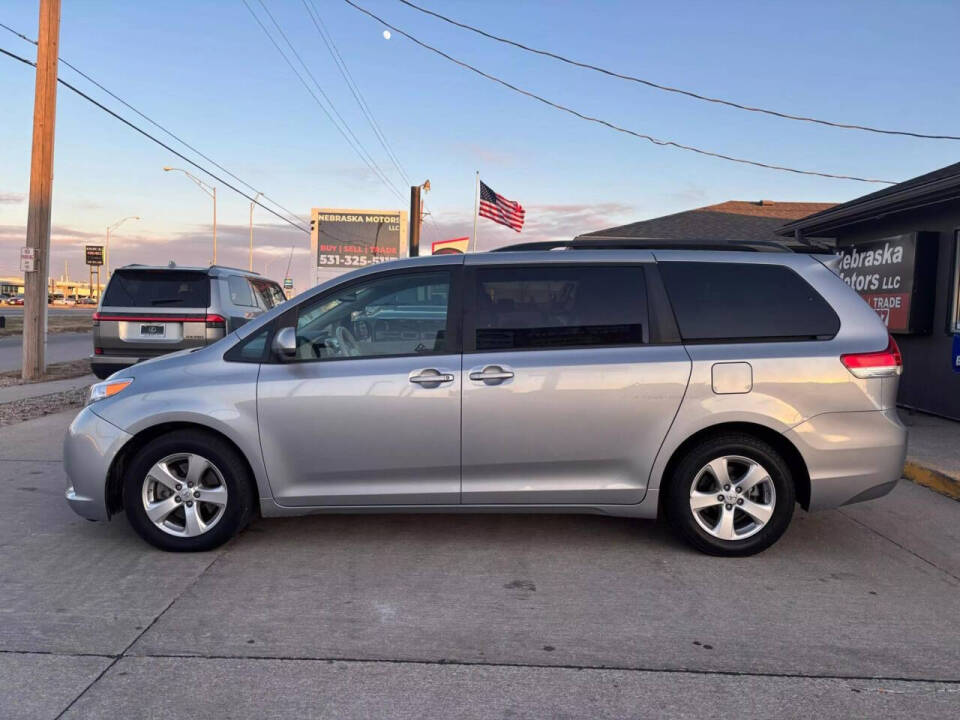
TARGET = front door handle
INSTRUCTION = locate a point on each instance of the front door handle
(430, 376)
(492, 374)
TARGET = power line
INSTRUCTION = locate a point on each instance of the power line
(354, 87)
(159, 142)
(679, 91)
(157, 125)
(606, 123)
(362, 102)
(345, 131)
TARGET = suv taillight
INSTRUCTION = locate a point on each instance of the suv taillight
(216, 321)
(885, 363)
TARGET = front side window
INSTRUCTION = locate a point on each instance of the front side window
(268, 293)
(397, 314)
(520, 308)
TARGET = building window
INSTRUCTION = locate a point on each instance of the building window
(955, 286)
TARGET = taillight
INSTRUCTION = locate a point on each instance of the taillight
(98, 351)
(885, 363)
(216, 321)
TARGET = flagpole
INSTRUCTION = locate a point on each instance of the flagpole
(476, 211)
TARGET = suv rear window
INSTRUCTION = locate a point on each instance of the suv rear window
(567, 306)
(158, 288)
(716, 302)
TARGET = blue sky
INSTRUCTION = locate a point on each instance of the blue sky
(206, 70)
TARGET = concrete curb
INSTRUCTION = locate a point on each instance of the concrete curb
(933, 479)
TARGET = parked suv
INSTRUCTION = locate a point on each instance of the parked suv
(718, 388)
(151, 311)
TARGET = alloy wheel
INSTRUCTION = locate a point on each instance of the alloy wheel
(732, 497)
(184, 494)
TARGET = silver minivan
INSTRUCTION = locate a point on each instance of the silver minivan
(718, 388)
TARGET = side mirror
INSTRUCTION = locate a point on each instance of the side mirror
(285, 343)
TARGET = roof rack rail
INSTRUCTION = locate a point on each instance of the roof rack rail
(582, 243)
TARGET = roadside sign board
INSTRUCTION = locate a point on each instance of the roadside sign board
(288, 283)
(28, 259)
(94, 254)
(343, 239)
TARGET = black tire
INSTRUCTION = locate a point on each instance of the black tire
(677, 501)
(232, 468)
(102, 372)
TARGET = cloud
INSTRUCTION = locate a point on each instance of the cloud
(11, 198)
(273, 241)
(543, 222)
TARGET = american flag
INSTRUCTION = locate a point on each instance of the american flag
(497, 208)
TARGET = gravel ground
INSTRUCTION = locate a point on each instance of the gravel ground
(30, 408)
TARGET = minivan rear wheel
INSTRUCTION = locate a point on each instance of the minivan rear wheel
(731, 495)
(187, 491)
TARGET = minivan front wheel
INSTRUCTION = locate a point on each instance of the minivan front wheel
(187, 491)
(731, 495)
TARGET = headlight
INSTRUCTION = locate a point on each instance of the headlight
(108, 388)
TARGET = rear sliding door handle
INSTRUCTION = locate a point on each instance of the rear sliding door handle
(430, 376)
(492, 374)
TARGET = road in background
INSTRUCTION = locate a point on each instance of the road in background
(851, 614)
(61, 347)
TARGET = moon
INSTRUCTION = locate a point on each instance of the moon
(386, 34)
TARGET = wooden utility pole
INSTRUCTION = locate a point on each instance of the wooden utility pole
(416, 220)
(41, 192)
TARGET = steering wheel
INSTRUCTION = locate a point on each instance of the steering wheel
(349, 347)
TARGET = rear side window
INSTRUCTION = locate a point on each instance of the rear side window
(240, 291)
(716, 302)
(158, 288)
(518, 308)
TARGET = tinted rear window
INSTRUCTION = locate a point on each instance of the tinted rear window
(559, 307)
(730, 301)
(158, 288)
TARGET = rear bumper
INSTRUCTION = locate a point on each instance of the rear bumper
(111, 363)
(89, 448)
(851, 456)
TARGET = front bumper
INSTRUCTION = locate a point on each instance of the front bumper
(89, 449)
(851, 456)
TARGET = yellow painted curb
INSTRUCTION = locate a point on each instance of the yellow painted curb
(933, 479)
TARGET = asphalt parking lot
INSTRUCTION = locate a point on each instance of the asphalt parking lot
(854, 613)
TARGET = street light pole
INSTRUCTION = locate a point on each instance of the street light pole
(210, 190)
(106, 250)
(253, 202)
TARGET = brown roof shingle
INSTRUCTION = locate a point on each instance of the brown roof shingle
(740, 220)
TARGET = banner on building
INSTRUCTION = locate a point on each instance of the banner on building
(896, 277)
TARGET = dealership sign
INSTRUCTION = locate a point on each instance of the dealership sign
(346, 239)
(94, 254)
(891, 275)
